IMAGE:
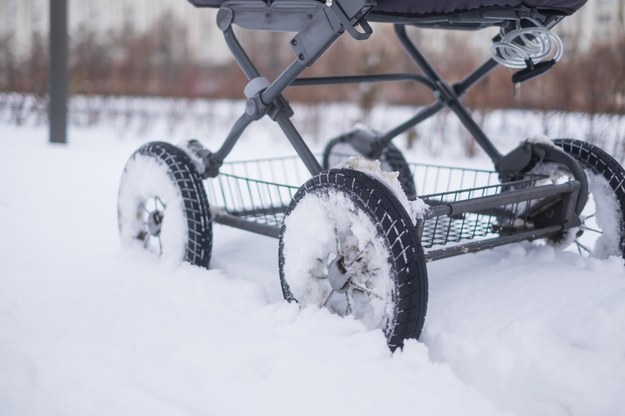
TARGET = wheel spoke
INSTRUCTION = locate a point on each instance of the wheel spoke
(144, 207)
(581, 247)
(359, 256)
(328, 298)
(366, 290)
(348, 307)
(320, 267)
(339, 251)
(160, 246)
(594, 230)
(159, 201)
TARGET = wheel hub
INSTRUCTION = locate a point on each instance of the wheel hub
(155, 221)
(337, 275)
(582, 226)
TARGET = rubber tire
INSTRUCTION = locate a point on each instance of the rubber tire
(597, 161)
(189, 187)
(409, 273)
(391, 157)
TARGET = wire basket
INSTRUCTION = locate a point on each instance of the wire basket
(470, 184)
(259, 191)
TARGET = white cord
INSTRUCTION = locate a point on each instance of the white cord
(522, 44)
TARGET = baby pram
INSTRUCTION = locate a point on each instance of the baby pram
(353, 237)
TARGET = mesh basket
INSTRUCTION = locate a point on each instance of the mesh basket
(260, 191)
(470, 184)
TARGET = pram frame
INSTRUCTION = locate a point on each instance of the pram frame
(318, 26)
(350, 239)
(308, 48)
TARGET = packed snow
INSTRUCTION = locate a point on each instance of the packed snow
(142, 180)
(416, 209)
(607, 216)
(318, 234)
(90, 328)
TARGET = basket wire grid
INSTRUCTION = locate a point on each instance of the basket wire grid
(257, 190)
(260, 191)
(505, 218)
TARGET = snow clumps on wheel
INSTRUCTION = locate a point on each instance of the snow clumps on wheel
(162, 205)
(602, 232)
(348, 244)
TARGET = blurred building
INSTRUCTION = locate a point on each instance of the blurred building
(599, 21)
(23, 20)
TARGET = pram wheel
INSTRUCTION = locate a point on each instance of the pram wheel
(162, 205)
(340, 149)
(602, 232)
(348, 244)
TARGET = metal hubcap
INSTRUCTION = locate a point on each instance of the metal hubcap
(154, 223)
(337, 274)
(343, 276)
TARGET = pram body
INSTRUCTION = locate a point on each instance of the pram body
(472, 210)
(420, 8)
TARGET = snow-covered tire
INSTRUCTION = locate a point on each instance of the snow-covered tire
(162, 205)
(606, 207)
(348, 244)
(338, 150)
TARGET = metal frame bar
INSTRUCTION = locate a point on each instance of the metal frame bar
(473, 205)
(246, 225)
(320, 33)
(446, 95)
(324, 27)
(57, 72)
(475, 246)
(449, 95)
(320, 28)
(504, 198)
(359, 79)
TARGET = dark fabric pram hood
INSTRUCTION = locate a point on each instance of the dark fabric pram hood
(420, 7)
(427, 7)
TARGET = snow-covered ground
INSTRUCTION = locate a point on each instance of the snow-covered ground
(89, 329)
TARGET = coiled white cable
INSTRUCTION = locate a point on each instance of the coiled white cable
(522, 45)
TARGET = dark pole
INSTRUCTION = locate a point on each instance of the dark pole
(57, 72)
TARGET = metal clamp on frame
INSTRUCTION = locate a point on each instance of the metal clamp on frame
(278, 15)
(530, 154)
(349, 14)
(324, 28)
